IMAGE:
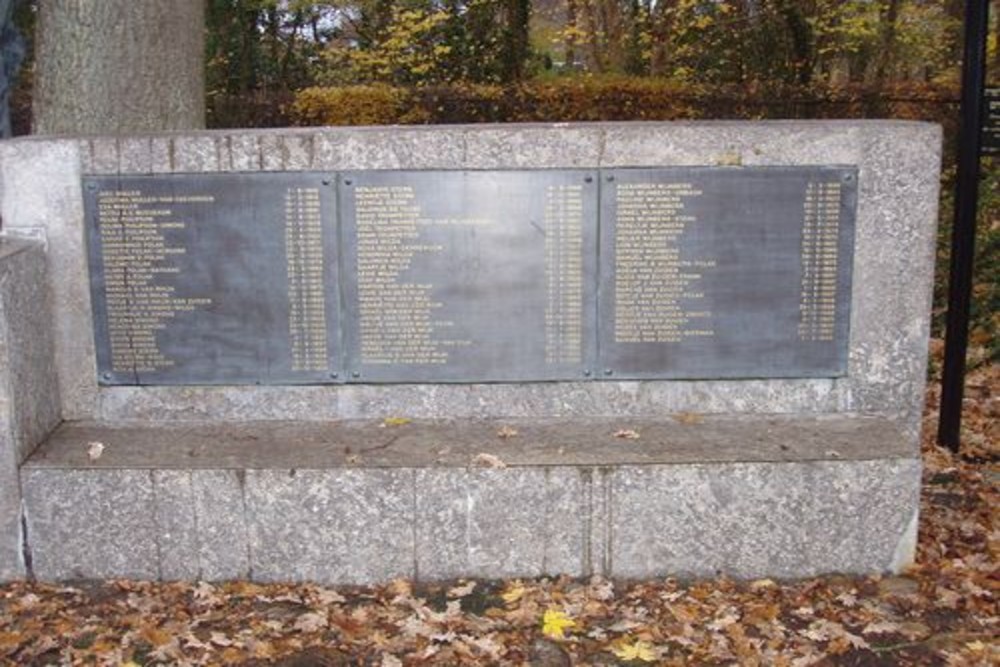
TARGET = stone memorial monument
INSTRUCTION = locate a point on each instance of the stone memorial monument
(348, 355)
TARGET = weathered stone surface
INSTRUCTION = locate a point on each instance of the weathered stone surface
(135, 155)
(27, 367)
(176, 521)
(533, 146)
(898, 164)
(562, 399)
(221, 514)
(196, 153)
(40, 190)
(757, 497)
(581, 441)
(890, 314)
(29, 392)
(90, 524)
(244, 153)
(368, 525)
(333, 526)
(499, 523)
(359, 503)
(754, 520)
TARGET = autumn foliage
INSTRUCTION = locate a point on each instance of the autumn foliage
(612, 98)
(943, 611)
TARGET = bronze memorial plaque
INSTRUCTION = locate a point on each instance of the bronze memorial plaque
(469, 276)
(472, 276)
(710, 272)
(214, 278)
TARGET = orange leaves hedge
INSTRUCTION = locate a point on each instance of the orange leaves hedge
(586, 98)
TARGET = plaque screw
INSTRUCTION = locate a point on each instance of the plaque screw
(610, 178)
(326, 181)
(608, 371)
(335, 375)
(588, 179)
(106, 376)
(347, 181)
(587, 373)
(91, 186)
(355, 374)
(848, 178)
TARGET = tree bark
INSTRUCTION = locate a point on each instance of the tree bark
(119, 66)
(993, 70)
(888, 20)
(11, 53)
(571, 13)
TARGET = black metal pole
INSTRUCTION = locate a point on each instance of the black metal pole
(963, 233)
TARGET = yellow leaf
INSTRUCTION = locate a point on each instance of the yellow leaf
(514, 593)
(396, 421)
(555, 623)
(634, 650)
(688, 418)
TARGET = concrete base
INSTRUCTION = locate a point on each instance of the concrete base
(362, 502)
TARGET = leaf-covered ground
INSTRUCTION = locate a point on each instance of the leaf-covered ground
(943, 611)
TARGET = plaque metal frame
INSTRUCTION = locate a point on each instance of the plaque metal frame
(486, 244)
(490, 260)
(738, 242)
(225, 238)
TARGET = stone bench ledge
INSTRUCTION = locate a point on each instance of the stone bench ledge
(681, 439)
(357, 502)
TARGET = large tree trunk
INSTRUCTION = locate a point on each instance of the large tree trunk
(888, 20)
(11, 53)
(115, 66)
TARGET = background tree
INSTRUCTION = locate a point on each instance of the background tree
(110, 66)
(11, 54)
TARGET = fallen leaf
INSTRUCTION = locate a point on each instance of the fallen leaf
(688, 417)
(514, 592)
(627, 434)
(628, 650)
(327, 596)
(507, 432)
(311, 622)
(395, 421)
(555, 623)
(94, 450)
(219, 639)
(484, 460)
(462, 590)
(601, 589)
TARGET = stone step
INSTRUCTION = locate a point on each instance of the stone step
(359, 502)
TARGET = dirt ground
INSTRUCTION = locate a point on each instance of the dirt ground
(942, 611)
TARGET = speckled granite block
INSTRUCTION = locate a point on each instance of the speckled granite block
(220, 510)
(29, 392)
(334, 526)
(40, 189)
(898, 166)
(500, 523)
(785, 497)
(762, 520)
(627, 517)
(91, 524)
(176, 521)
(27, 365)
